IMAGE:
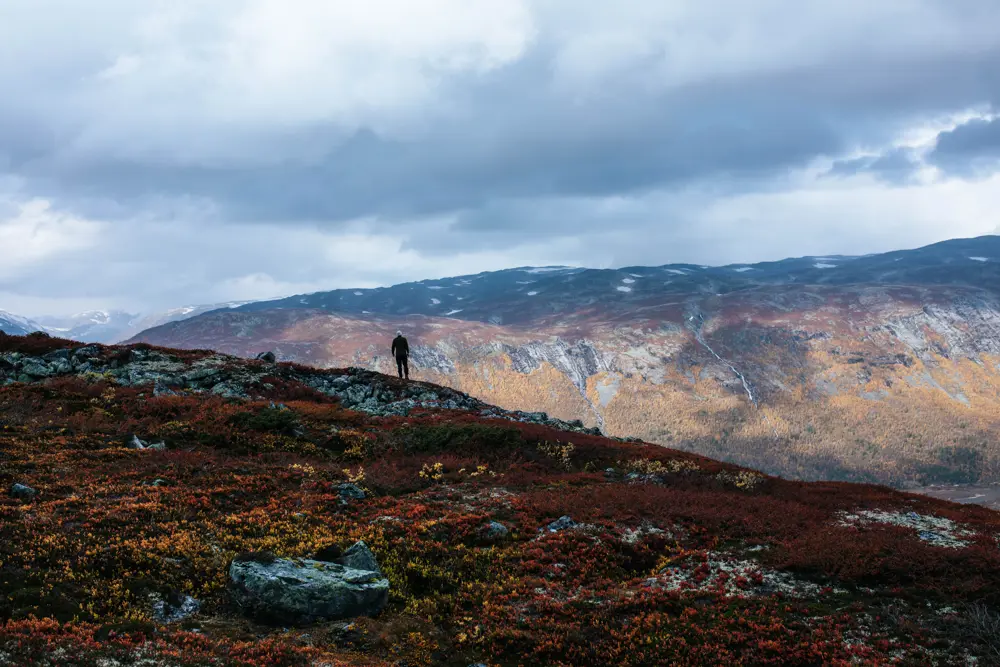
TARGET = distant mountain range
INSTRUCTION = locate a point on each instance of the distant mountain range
(17, 325)
(875, 368)
(812, 367)
(100, 326)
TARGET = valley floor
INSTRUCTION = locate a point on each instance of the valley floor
(987, 496)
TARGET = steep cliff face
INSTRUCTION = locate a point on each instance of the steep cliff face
(818, 380)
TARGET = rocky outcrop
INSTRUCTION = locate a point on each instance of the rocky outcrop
(578, 360)
(236, 378)
(968, 328)
(301, 591)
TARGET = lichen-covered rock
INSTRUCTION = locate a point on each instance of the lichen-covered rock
(562, 523)
(349, 492)
(137, 443)
(302, 591)
(37, 369)
(493, 532)
(174, 608)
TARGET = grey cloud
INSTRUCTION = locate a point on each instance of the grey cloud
(507, 159)
(969, 148)
(895, 166)
(519, 137)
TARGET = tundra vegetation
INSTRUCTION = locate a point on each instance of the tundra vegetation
(504, 542)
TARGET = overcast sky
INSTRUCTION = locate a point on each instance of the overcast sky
(162, 153)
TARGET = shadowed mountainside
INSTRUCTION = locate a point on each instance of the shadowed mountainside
(813, 368)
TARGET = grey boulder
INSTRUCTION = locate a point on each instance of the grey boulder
(300, 591)
(493, 532)
(22, 492)
(137, 443)
(349, 492)
(562, 523)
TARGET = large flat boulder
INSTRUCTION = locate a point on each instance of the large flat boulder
(301, 591)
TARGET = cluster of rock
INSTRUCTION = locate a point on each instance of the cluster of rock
(233, 377)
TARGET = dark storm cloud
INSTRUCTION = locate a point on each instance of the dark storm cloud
(971, 147)
(519, 137)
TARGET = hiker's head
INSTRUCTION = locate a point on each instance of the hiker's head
(399, 333)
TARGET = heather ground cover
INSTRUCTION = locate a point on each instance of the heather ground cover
(665, 557)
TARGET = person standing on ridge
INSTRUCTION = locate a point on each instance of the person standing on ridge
(401, 350)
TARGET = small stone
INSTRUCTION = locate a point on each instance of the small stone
(22, 492)
(562, 523)
(86, 352)
(349, 492)
(267, 357)
(494, 531)
(360, 557)
(138, 443)
(174, 608)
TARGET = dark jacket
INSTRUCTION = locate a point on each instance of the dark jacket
(400, 348)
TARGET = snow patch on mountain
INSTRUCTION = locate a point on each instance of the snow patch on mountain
(359, 294)
(546, 269)
(677, 271)
(17, 325)
(623, 289)
(743, 269)
(532, 293)
(453, 312)
(980, 259)
(435, 302)
(627, 281)
(821, 265)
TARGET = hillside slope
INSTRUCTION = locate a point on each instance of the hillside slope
(506, 538)
(811, 368)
